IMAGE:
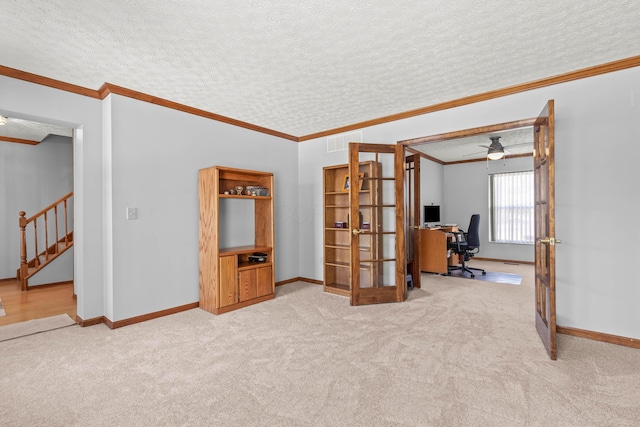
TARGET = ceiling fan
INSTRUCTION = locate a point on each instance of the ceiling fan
(496, 149)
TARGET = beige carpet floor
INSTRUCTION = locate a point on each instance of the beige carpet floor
(35, 326)
(457, 353)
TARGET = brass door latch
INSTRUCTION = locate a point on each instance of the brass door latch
(550, 240)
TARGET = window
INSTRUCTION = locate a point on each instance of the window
(511, 207)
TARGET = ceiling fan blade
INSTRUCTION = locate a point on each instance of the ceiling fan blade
(511, 152)
(484, 146)
(475, 154)
(519, 145)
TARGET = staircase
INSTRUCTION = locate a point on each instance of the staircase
(49, 229)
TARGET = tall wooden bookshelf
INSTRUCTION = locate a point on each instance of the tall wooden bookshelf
(228, 278)
(338, 225)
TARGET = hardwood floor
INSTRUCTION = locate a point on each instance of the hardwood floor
(37, 302)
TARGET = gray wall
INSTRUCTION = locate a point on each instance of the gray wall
(597, 146)
(43, 104)
(131, 153)
(432, 191)
(312, 157)
(152, 157)
(31, 178)
(466, 190)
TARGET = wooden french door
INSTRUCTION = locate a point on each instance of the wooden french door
(545, 250)
(377, 268)
(412, 213)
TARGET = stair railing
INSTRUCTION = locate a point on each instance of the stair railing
(46, 216)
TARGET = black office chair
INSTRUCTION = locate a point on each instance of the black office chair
(467, 244)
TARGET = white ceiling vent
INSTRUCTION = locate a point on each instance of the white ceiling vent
(341, 142)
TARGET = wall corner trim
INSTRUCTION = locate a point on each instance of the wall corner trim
(90, 322)
(299, 279)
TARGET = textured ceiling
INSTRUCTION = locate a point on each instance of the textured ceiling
(514, 141)
(31, 131)
(306, 66)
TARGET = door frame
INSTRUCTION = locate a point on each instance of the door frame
(412, 228)
(530, 122)
(468, 132)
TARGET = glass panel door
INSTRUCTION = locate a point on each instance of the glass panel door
(378, 268)
(544, 174)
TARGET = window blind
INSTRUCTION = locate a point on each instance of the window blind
(511, 207)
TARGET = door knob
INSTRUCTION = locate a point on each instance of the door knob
(550, 240)
(357, 231)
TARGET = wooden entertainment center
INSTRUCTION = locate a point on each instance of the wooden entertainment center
(230, 278)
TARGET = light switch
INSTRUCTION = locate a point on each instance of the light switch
(132, 213)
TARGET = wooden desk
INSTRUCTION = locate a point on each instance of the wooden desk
(435, 257)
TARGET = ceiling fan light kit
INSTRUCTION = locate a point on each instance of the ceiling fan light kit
(3, 120)
(496, 150)
(495, 154)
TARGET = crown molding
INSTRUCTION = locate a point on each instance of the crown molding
(107, 88)
(19, 140)
(597, 70)
(46, 81)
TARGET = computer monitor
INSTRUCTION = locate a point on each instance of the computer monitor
(431, 213)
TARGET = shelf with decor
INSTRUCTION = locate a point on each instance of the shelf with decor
(235, 273)
(337, 226)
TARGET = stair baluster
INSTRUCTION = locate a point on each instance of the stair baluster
(29, 267)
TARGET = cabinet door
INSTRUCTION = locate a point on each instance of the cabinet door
(228, 290)
(256, 282)
(247, 284)
(264, 282)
